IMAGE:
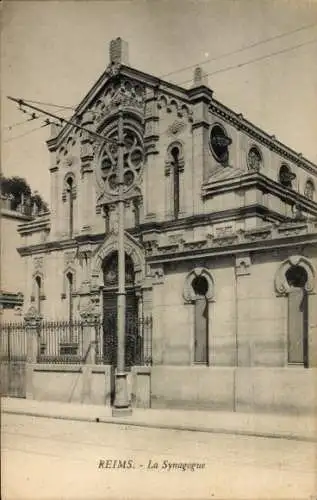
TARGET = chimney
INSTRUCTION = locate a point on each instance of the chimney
(200, 77)
(119, 51)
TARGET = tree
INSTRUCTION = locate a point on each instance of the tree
(37, 199)
(18, 188)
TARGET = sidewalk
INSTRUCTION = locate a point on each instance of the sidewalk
(302, 428)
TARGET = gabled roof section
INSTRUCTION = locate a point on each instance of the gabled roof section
(115, 71)
(200, 92)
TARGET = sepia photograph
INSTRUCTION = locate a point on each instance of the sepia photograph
(158, 216)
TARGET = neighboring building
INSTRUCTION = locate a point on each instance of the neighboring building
(220, 242)
(12, 276)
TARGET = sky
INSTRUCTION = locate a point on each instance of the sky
(54, 52)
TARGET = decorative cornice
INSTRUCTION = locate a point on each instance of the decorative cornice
(262, 137)
(42, 223)
(260, 181)
(238, 245)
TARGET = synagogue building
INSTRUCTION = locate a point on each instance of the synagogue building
(220, 245)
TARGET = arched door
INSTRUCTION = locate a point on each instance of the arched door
(133, 339)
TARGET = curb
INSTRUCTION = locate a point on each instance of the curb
(179, 427)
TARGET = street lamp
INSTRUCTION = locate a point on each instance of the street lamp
(121, 402)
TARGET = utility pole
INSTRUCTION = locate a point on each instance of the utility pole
(121, 402)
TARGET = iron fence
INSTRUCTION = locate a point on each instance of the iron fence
(138, 340)
(61, 342)
(65, 342)
(13, 346)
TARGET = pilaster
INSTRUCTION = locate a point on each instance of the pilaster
(243, 339)
(86, 157)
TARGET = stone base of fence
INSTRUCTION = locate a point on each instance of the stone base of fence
(88, 384)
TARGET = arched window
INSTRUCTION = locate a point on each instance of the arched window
(286, 177)
(254, 159)
(199, 290)
(174, 166)
(175, 156)
(136, 211)
(38, 293)
(296, 277)
(70, 197)
(200, 287)
(69, 294)
(309, 189)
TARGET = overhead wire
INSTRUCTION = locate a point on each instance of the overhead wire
(251, 61)
(228, 68)
(50, 104)
(26, 133)
(10, 127)
(241, 49)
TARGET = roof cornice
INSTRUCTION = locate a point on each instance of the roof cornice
(260, 135)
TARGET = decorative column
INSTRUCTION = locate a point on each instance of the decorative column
(32, 327)
(87, 156)
(151, 137)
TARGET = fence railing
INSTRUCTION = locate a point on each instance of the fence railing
(65, 342)
(138, 344)
(61, 342)
(13, 345)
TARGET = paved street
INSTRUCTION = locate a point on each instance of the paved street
(56, 459)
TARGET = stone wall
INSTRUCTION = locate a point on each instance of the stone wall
(272, 390)
(90, 384)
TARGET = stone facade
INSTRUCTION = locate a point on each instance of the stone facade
(218, 215)
(12, 266)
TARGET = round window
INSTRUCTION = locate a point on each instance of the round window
(254, 159)
(219, 144)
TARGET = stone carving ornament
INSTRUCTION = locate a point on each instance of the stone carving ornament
(281, 283)
(189, 293)
(124, 94)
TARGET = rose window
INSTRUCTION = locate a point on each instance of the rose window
(133, 157)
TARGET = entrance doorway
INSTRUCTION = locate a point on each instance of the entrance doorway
(133, 343)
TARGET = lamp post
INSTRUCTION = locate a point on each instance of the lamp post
(121, 402)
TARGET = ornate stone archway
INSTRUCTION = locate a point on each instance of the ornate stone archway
(110, 245)
(189, 293)
(280, 281)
